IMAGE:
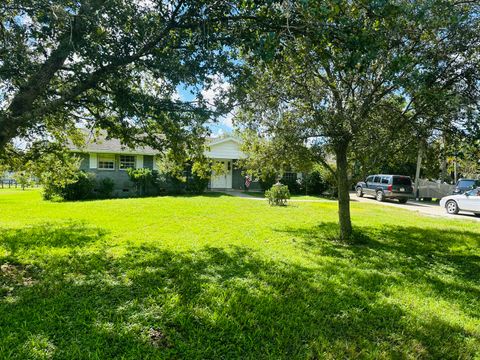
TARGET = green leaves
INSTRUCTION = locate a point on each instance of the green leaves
(85, 63)
(341, 74)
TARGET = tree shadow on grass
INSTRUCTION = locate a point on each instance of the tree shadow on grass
(220, 303)
(405, 248)
(440, 264)
(50, 235)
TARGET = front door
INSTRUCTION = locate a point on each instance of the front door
(223, 180)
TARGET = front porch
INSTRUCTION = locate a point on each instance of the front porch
(231, 179)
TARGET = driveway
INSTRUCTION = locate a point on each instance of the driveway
(430, 209)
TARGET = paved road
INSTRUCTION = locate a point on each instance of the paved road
(430, 209)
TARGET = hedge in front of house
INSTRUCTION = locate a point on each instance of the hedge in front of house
(153, 183)
(105, 188)
(84, 186)
(80, 190)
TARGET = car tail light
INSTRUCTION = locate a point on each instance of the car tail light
(389, 188)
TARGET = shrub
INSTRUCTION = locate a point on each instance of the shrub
(330, 180)
(196, 184)
(105, 188)
(143, 179)
(49, 191)
(166, 184)
(266, 182)
(318, 182)
(315, 183)
(278, 195)
(55, 171)
(81, 189)
(293, 185)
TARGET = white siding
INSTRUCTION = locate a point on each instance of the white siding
(139, 161)
(93, 161)
(229, 149)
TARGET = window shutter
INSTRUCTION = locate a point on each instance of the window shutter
(93, 161)
(155, 165)
(139, 164)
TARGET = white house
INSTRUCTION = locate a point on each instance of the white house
(109, 158)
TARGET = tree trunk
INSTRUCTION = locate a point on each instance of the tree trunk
(343, 193)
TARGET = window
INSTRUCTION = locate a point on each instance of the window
(127, 162)
(369, 179)
(106, 162)
(377, 179)
(467, 184)
(402, 180)
(290, 176)
(385, 180)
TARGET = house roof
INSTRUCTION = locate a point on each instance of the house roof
(98, 143)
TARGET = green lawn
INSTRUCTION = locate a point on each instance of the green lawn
(259, 194)
(221, 277)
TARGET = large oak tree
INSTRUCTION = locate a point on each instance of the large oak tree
(116, 65)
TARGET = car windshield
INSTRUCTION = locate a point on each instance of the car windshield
(465, 184)
(402, 180)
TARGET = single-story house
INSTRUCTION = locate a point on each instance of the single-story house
(109, 158)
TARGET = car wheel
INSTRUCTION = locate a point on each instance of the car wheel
(452, 207)
(359, 192)
(380, 196)
(477, 214)
(402, 201)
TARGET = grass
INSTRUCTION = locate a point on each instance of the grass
(259, 194)
(221, 277)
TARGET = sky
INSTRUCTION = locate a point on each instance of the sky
(224, 124)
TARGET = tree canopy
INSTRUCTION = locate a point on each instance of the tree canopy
(115, 65)
(344, 71)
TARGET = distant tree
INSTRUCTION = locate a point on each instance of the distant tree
(468, 159)
(272, 157)
(54, 167)
(23, 178)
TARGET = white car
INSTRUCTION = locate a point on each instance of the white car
(468, 201)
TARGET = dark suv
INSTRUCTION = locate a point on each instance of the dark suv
(386, 187)
(465, 185)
